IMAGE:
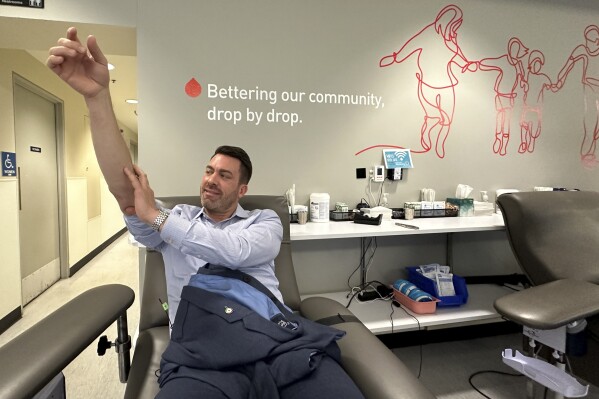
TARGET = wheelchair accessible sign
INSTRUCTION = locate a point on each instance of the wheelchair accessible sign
(9, 164)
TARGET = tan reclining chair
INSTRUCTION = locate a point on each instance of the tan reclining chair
(555, 238)
(375, 369)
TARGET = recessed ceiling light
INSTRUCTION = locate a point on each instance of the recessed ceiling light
(110, 66)
(131, 101)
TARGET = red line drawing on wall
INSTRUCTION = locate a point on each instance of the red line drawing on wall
(436, 80)
(531, 118)
(387, 146)
(586, 54)
(510, 75)
(519, 81)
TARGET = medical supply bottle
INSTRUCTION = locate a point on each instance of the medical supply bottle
(319, 207)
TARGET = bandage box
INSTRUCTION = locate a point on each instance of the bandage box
(426, 209)
(438, 208)
(426, 284)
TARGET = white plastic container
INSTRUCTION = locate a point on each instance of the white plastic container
(319, 207)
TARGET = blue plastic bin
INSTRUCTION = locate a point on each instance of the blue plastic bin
(426, 284)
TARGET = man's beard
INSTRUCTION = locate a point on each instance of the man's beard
(221, 204)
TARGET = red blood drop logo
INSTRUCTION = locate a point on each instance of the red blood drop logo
(193, 88)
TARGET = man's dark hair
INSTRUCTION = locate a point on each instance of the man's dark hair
(244, 158)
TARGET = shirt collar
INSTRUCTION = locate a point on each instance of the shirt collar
(239, 212)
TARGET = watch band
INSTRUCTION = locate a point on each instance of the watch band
(160, 219)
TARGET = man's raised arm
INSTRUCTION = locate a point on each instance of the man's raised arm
(85, 69)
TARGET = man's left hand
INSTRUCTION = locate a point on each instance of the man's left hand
(145, 203)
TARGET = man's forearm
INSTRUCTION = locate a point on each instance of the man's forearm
(111, 151)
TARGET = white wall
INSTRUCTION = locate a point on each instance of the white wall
(77, 220)
(110, 12)
(10, 283)
(87, 234)
(335, 47)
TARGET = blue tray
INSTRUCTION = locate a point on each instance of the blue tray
(426, 284)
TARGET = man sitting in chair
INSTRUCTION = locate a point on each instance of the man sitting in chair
(280, 354)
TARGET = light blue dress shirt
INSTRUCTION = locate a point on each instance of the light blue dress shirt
(248, 241)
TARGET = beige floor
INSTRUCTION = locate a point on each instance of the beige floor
(89, 376)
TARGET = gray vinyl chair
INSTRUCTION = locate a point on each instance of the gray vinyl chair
(33, 360)
(376, 370)
(555, 238)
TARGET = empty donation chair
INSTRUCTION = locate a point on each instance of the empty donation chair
(555, 238)
(377, 372)
(32, 363)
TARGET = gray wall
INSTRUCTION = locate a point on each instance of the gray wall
(335, 47)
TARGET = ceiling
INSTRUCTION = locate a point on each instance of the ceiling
(118, 43)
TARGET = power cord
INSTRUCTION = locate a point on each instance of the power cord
(536, 353)
(371, 195)
(489, 371)
(356, 291)
(393, 305)
(372, 246)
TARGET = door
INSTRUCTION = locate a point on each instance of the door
(39, 227)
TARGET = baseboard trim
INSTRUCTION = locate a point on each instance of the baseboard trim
(7, 321)
(87, 258)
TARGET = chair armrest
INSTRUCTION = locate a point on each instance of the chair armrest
(374, 368)
(40, 353)
(551, 305)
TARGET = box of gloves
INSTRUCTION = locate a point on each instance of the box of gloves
(438, 280)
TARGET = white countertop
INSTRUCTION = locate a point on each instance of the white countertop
(332, 229)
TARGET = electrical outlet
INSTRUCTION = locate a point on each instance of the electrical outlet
(360, 173)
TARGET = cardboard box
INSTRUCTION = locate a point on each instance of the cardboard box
(426, 209)
(465, 205)
(439, 208)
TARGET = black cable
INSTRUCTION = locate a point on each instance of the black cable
(363, 289)
(362, 260)
(511, 288)
(364, 264)
(489, 371)
(419, 329)
(350, 276)
(374, 248)
(352, 298)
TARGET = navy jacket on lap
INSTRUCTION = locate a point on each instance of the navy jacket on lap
(230, 346)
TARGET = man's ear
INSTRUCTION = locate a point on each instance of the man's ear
(243, 189)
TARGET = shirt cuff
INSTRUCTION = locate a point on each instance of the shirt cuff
(174, 230)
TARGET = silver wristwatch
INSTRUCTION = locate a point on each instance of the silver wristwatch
(160, 219)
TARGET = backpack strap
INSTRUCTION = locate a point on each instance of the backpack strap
(223, 271)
